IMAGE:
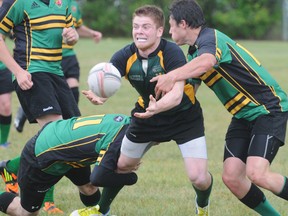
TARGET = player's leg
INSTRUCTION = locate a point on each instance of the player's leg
(234, 169)
(131, 154)
(71, 69)
(89, 194)
(8, 171)
(194, 153)
(20, 119)
(10, 204)
(6, 89)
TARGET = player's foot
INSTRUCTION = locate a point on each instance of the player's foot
(5, 145)
(50, 208)
(202, 211)
(89, 211)
(20, 120)
(10, 179)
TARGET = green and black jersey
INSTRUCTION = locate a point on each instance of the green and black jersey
(139, 71)
(37, 26)
(77, 20)
(238, 79)
(76, 142)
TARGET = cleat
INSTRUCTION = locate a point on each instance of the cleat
(5, 145)
(10, 179)
(202, 211)
(20, 120)
(50, 208)
(89, 211)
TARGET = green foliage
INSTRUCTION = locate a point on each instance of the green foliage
(246, 19)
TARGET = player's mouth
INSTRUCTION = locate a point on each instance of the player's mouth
(141, 39)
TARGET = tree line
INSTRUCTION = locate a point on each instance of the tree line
(242, 19)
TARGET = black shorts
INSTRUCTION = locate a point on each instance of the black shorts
(181, 127)
(6, 85)
(70, 67)
(50, 94)
(34, 183)
(244, 138)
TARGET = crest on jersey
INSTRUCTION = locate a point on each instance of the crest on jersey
(58, 3)
(74, 9)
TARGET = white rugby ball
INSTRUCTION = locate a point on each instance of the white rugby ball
(104, 79)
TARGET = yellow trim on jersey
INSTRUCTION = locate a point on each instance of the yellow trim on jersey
(236, 99)
(130, 62)
(189, 91)
(160, 55)
(47, 51)
(8, 23)
(252, 56)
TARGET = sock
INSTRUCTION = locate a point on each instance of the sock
(107, 197)
(75, 91)
(13, 165)
(284, 193)
(5, 124)
(91, 200)
(203, 196)
(256, 200)
(5, 200)
(49, 196)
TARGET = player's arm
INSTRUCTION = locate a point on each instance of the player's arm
(84, 31)
(167, 102)
(193, 69)
(23, 77)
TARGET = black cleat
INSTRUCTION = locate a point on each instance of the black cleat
(20, 120)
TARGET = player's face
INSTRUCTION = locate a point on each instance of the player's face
(145, 33)
(177, 32)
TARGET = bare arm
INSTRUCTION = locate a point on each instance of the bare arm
(192, 69)
(23, 77)
(84, 31)
(167, 102)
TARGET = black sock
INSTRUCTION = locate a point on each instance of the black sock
(254, 197)
(5, 200)
(284, 193)
(91, 200)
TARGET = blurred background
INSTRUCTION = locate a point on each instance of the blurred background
(240, 19)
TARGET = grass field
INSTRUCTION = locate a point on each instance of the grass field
(163, 188)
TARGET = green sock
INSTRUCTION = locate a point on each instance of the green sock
(5, 124)
(107, 197)
(265, 209)
(203, 196)
(13, 165)
(49, 196)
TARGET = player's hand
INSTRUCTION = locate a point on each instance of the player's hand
(94, 99)
(164, 84)
(70, 36)
(96, 35)
(24, 79)
(150, 110)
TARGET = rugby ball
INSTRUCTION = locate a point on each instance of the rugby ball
(104, 79)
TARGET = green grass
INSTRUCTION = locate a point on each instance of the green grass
(163, 188)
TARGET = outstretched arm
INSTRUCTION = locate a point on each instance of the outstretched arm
(168, 101)
(84, 31)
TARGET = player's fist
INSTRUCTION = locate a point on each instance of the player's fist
(70, 36)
